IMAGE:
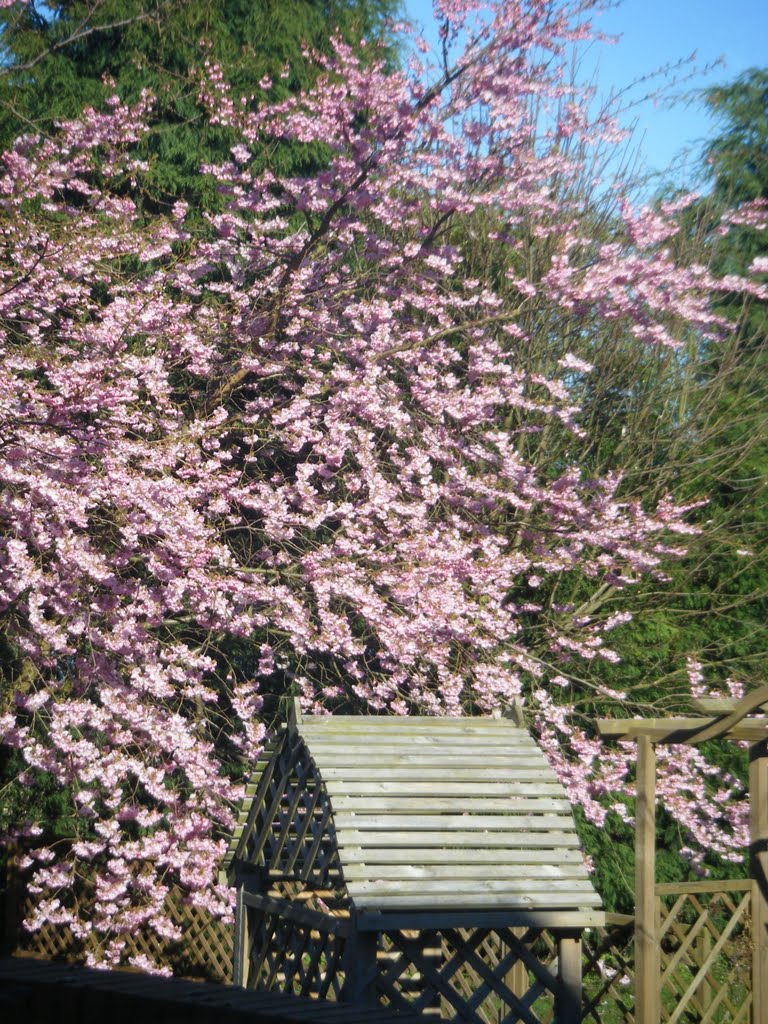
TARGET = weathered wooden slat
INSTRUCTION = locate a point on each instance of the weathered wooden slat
(437, 787)
(423, 738)
(426, 751)
(508, 741)
(417, 900)
(460, 872)
(458, 822)
(515, 775)
(372, 767)
(547, 889)
(434, 804)
(478, 917)
(394, 723)
(489, 858)
(679, 730)
(421, 840)
(724, 885)
(252, 787)
(471, 743)
(710, 706)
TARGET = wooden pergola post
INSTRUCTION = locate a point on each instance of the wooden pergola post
(758, 869)
(240, 954)
(647, 966)
(360, 968)
(568, 1003)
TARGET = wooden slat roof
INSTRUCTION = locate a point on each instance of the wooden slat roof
(447, 814)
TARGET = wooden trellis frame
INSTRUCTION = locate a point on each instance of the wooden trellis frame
(727, 720)
(615, 942)
(697, 926)
(378, 861)
(204, 950)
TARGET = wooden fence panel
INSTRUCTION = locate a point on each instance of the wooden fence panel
(204, 950)
(609, 972)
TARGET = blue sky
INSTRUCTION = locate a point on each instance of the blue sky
(659, 32)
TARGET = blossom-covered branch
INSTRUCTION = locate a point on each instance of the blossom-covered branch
(306, 428)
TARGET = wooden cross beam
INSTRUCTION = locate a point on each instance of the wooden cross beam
(731, 724)
(683, 730)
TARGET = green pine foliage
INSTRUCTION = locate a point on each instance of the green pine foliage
(703, 435)
(58, 58)
(730, 581)
(715, 606)
(737, 158)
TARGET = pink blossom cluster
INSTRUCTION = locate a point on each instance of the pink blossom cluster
(302, 429)
(710, 806)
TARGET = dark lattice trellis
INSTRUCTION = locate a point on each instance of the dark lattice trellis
(287, 831)
(472, 974)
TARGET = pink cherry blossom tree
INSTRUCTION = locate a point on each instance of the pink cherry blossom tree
(304, 426)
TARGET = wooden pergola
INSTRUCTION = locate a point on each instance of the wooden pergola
(377, 857)
(725, 719)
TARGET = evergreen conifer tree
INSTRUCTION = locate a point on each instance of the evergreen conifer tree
(59, 58)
